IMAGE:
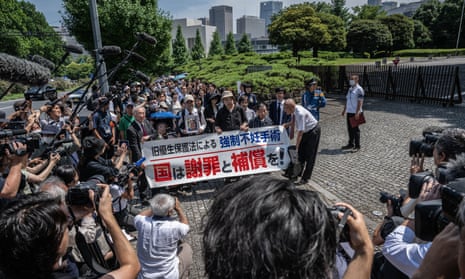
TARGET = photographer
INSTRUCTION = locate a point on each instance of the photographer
(33, 245)
(93, 164)
(11, 166)
(274, 230)
(400, 247)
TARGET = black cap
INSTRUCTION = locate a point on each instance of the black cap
(247, 85)
(311, 82)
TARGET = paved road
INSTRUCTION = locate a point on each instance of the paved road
(357, 178)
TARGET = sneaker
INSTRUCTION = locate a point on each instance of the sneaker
(349, 146)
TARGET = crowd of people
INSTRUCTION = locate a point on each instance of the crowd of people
(67, 185)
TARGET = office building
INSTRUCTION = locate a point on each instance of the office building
(251, 25)
(222, 18)
(189, 29)
(268, 9)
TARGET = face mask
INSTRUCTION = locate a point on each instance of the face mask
(352, 82)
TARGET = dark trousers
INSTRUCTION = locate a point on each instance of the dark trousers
(354, 133)
(308, 149)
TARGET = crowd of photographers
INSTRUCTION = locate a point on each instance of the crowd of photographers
(68, 181)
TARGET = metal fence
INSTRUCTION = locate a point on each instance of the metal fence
(423, 84)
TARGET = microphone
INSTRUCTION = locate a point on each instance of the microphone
(136, 56)
(43, 61)
(146, 37)
(15, 69)
(73, 48)
(109, 50)
(142, 76)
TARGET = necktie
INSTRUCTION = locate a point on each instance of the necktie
(143, 129)
(280, 114)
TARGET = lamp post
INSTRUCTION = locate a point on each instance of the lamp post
(460, 30)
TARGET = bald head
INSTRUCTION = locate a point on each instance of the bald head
(289, 106)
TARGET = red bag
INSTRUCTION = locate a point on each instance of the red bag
(355, 123)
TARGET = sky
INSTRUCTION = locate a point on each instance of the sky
(189, 8)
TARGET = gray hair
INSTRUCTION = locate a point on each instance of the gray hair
(161, 205)
(55, 187)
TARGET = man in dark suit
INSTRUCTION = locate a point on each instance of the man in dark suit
(276, 108)
(139, 131)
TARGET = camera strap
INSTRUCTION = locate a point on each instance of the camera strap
(343, 220)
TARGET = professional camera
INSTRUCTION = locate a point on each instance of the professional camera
(424, 146)
(416, 182)
(432, 216)
(343, 228)
(79, 195)
(32, 142)
(396, 202)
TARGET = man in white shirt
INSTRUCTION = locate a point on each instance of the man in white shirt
(159, 234)
(353, 108)
(308, 136)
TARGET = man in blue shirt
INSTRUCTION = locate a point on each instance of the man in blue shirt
(313, 98)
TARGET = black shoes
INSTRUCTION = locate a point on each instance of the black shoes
(302, 182)
(356, 149)
(346, 147)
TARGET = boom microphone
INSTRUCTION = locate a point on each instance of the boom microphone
(43, 61)
(73, 48)
(146, 37)
(15, 69)
(142, 76)
(109, 50)
(136, 56)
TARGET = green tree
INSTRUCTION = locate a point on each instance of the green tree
(337, 31)
(367, 12)
(230, 47)
(244, 44)
(446, 26)
(197, 51)
(119, 21)
(215, 46)
(421, 34)
(428, 12)
(25, 32)
(368, 36)
(299, 27)
(180, 55)
(339, 9)
(401, 28)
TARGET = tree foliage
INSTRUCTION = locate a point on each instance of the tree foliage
(446, 26)
(180, 55)
(421, 34)
(244, 44)
(197, 51)
(428, 12)
(230, 47)
(401, 28)
(215, 46)
(119, 21)
(368, 36)
(299, 27)
(25, 32)
(337, 31)
(367, 12)
(339, 10)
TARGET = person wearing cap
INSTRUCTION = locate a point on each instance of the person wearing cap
(230, 117)
(192, 120)
(126, 120)
(313, 99)
(103, 127)
(276, 108)
(250, 96)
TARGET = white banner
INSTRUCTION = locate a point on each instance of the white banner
(211, 156)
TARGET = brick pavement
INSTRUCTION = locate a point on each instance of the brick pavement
(356, 178)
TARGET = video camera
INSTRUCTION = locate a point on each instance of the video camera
(416, 182)
(431, 217)
(426, 145)
(32, 142)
